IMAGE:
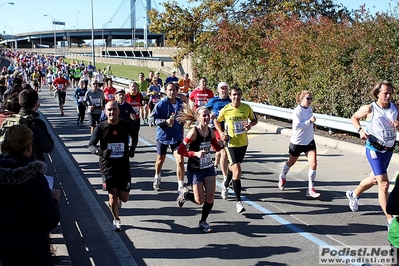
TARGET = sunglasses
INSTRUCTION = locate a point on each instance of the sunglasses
(309, 98)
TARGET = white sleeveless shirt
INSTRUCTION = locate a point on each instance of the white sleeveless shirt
(379, 124)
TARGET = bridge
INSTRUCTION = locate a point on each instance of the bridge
(78, 37)
(127, 32)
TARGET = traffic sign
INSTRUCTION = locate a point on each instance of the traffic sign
(58, 23)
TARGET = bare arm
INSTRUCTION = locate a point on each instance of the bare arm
(363, 112)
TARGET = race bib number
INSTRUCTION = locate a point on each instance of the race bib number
(206, 161)
(239, 127)
(389, 136)
(118, 149)
(201, 102)
(111, 97)
(96, 102)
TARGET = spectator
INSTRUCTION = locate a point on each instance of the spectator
(25, 195)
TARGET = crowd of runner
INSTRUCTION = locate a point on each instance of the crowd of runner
(216, 124)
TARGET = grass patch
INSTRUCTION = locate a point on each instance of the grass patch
(125, 71)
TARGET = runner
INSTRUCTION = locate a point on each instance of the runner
(114, 153)
(235, 115)
(60, 85)
(200, 171)
(302, 140)
(382, 117)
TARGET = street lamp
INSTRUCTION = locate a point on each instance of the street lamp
(55, 39)
(102, 35)
(69, 36)
(30, 37)
(12, 37)
(134, 32)
(7, 3)
(77, 20)
(93, 56)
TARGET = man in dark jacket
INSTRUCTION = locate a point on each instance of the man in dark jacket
(42, 141)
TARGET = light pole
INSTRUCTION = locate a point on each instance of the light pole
(7, 3)
(12, 37)
(55, 38)
(77, 20)
(30, 39)
(69, 36)
(93, 58)
(102, 35)
(134, 32)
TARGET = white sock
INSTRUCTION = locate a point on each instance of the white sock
(157, 176)
(180, 184)
(311, 177)
(285, 171)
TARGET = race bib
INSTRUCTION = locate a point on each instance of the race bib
(111, 97)
(239, 127)
(60, 86)
(81, 99)
(118, 149)
(206, 161)
(96, 101)
(389, 136)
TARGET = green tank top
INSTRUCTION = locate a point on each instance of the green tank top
(393, 234)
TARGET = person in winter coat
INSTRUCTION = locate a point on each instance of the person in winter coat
(28, 207)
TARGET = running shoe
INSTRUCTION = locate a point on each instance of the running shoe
(281, 182)
(312, 193)
(225, 192)
(240, 207)
(116, 225)
(353, 201)
(157, 184)
(204, 226)
(182, 197)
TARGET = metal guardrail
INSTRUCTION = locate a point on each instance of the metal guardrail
(327, 121)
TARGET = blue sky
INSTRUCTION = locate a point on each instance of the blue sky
(28, 15)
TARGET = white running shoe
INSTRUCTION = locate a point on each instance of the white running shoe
(281, 182)
(312, 193)
(182, 197)
(157, 184)
(240, 207)
(116, 225)
(353, 201)
(225, 192)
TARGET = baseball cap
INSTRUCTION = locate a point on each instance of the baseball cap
(223, 84)
(157, 72)
(120, 91)
(173, 71)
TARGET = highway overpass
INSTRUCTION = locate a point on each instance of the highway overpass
(78, 37)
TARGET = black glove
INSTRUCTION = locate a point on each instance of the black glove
(104, 153)
(131, 152)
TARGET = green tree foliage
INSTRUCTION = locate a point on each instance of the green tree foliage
(273, 49)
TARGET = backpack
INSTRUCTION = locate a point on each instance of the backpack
(14, 119)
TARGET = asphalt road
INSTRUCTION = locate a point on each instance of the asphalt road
(278, 228)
